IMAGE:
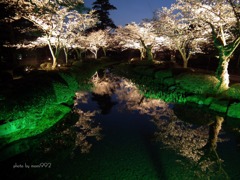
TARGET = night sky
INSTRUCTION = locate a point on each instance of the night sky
(133, 10)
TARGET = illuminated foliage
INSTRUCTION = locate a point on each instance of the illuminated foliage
(60, 22)
(139, 37)
(185, 35)
(96, 40)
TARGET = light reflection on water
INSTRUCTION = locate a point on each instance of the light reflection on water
(119, 134)
(196, 143)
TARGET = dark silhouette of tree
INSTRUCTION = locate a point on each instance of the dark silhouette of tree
(102, 8)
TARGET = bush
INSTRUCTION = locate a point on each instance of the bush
(198, 83)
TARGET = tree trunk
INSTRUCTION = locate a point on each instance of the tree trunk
(185, 63)
(66, 55)
(104, 51)
(54, 63)
(225, 51)
(142, 53)
(149, 53)
(184, 57)
(214, 130)
(222, 72)
(79, 54)
(95, 54)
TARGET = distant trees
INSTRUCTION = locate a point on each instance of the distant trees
(139, 37)
(187, 26)
(58, 21)
(102, 8)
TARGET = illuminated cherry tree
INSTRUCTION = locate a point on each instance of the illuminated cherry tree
(185, 36)
(139, 37)
(41, 6)
(96, 40)
(221, 18)
(60, 23)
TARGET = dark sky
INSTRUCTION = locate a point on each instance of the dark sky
(133, 10)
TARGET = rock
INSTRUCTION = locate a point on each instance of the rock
(234, 110)
(208, 101)
(219, 105)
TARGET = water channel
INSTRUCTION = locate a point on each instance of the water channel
(116, 133)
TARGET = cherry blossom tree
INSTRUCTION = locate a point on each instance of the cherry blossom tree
(139, 37)
(185, 36)
(96, 40)
(222, 18)
(59, 21)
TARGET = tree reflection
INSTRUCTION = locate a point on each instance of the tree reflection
(211, 160)
(129, 96)
(196, 143)
(86, 127)
(74, 134)
(104, 101)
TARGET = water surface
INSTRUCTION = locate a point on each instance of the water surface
(116, 133)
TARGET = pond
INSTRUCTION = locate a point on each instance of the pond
(116, 133)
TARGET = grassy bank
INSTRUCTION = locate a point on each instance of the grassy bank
(33, 104)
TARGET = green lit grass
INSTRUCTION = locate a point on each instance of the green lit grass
(36, 106)
(32, 125)
(198, 83)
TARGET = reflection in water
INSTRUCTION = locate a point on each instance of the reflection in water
(196, 143)
(86, 128)
(211, 160)
(129, 96)
(104, 101)
(126, 151)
